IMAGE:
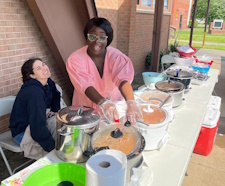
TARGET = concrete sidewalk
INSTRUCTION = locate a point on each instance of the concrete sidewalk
(210, 170)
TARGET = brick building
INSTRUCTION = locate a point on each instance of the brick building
(181, 14)
(22, 38)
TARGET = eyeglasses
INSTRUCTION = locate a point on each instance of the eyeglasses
(93, 37)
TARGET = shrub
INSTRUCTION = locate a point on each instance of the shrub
(148, 59)
(195, 24)
(173, 47)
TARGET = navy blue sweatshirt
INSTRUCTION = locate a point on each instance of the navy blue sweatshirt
(30, 109)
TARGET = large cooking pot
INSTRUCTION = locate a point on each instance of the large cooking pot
(155, 96)
(175, 88)
(180, 76)
(75, 126)
(122, 137)
(154, 125)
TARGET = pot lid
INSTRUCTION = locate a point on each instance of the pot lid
(78, 116)
(117, 137)
(169, 86)
(157, 95)
(179, 73)
(152, 114)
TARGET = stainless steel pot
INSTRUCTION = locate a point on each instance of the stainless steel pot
(173, 87)
(75, 126)
(180, 76)
(121, 137)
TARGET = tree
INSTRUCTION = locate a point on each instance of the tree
(216, 10)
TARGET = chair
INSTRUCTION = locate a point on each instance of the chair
(6, 140)
(62, 103)
(167, 59)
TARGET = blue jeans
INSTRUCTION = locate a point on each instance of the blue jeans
(18, 138)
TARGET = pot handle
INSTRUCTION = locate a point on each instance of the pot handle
(60, 131)
(94, 151)
(66, 133)
(127, 123)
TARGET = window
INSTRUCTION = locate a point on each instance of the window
(150, 4)
(146, 3)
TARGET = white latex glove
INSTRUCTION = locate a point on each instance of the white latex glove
(109, 110)
(133, 112)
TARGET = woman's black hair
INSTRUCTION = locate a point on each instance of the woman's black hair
(102, 23)
(27, 68)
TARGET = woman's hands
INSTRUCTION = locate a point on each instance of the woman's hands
(109, 110)
(133, 112)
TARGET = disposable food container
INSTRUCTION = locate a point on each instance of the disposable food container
(204, 59)
(201, 67)
(184, 61)
(186, 51)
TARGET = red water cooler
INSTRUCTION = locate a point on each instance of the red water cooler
(209, 127)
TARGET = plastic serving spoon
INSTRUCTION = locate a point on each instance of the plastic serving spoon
(149, 109)
(163, 103)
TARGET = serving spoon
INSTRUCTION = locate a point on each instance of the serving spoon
(149, 109)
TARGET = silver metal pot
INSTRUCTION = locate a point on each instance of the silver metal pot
(175, 88)
(121, 137)
(180, 76)
(75, 126)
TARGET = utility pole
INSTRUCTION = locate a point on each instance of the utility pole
(193, 22)
(206, 21)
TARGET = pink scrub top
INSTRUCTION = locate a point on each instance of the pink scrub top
(83, 74)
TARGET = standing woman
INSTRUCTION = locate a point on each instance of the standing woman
(37, 93)
(99, 71)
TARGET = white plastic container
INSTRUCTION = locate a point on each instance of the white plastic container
(184, 61)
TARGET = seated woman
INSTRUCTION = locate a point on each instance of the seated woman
(99, 72)
(37, 93)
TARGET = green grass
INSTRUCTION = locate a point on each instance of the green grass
(199, 45)
(211, 40)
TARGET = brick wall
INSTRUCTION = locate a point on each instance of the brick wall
(180, 7)
(133, 29)
(20, 39)
(108, 10)
(216, 31)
